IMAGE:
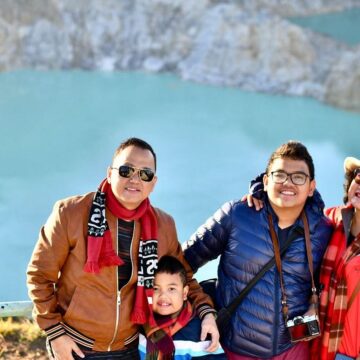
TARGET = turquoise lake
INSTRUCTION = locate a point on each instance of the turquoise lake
(59, 130)
(343, 26)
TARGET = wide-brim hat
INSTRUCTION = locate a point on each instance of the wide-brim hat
(351, 163)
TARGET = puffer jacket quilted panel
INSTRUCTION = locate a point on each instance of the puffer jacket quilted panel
(241, 236)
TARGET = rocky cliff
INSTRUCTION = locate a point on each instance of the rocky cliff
(247, 44)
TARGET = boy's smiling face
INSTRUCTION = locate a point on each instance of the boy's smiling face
(169, 293)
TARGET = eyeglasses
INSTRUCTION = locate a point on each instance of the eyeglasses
(127, 171)
(297, 178)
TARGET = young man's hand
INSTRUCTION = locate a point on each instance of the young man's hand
(208, 326)
(63, 347)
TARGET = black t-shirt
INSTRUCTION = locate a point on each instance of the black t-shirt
(283, 234)
(125, 233)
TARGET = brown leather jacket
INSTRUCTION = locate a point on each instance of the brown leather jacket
(88, 307)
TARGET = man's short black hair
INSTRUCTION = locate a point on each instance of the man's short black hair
(133, 141)
(171, 265)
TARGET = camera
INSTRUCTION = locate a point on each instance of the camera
(303, 328)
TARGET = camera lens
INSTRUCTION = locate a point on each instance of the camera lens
(298, 320)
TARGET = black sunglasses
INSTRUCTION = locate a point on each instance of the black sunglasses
(127, 171)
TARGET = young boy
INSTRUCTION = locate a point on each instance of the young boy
(174, 332)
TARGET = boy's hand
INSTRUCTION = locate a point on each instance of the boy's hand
(208, 326)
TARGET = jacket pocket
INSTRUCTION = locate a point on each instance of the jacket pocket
(72, 304)
(89, 310)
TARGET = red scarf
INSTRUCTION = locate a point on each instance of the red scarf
(160, 345)
(100, 251)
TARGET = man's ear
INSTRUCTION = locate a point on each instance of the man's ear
(312, 187)
(185, 292)
(108, 174)
(265, 181)
(153, 181)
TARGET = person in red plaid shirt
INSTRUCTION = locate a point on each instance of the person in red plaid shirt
(340, 275)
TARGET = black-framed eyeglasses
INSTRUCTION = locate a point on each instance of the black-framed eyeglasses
(127, 171)
(297, 178)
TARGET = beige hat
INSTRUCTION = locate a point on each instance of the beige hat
(351, 163)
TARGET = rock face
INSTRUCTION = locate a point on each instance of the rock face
(343, 82)
(258, 52)
(246, 44)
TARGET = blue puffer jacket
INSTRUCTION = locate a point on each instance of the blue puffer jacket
(241, 236)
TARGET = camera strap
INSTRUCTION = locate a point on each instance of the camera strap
(314, 297)
(275, 240)
(236, 302)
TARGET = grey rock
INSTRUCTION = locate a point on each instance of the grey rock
(44, 46)
(153, 64)
(343, 82)
(8, 45)
(239, 43)
(261, 51)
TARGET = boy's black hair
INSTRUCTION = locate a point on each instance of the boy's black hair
(293, 150)
(171, 265)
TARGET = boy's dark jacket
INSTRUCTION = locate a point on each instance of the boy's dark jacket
(191, 334)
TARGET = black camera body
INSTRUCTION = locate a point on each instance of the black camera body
(303, 328)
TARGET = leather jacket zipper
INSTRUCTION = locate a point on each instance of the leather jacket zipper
(118, 301)
(118, 298)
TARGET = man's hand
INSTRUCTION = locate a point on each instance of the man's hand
(63, 347)
(208, 326)
(253, 202)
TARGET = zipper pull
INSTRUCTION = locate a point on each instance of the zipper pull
(118, 298)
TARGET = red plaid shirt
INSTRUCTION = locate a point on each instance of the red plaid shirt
(333, 299)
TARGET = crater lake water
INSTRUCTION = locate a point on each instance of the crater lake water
(59, 131)
(343, 26)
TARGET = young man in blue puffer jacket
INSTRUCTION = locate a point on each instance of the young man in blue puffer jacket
(241, 236)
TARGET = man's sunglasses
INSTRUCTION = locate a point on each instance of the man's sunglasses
(127, 171)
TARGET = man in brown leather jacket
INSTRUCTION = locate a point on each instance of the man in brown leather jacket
(91, 272)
